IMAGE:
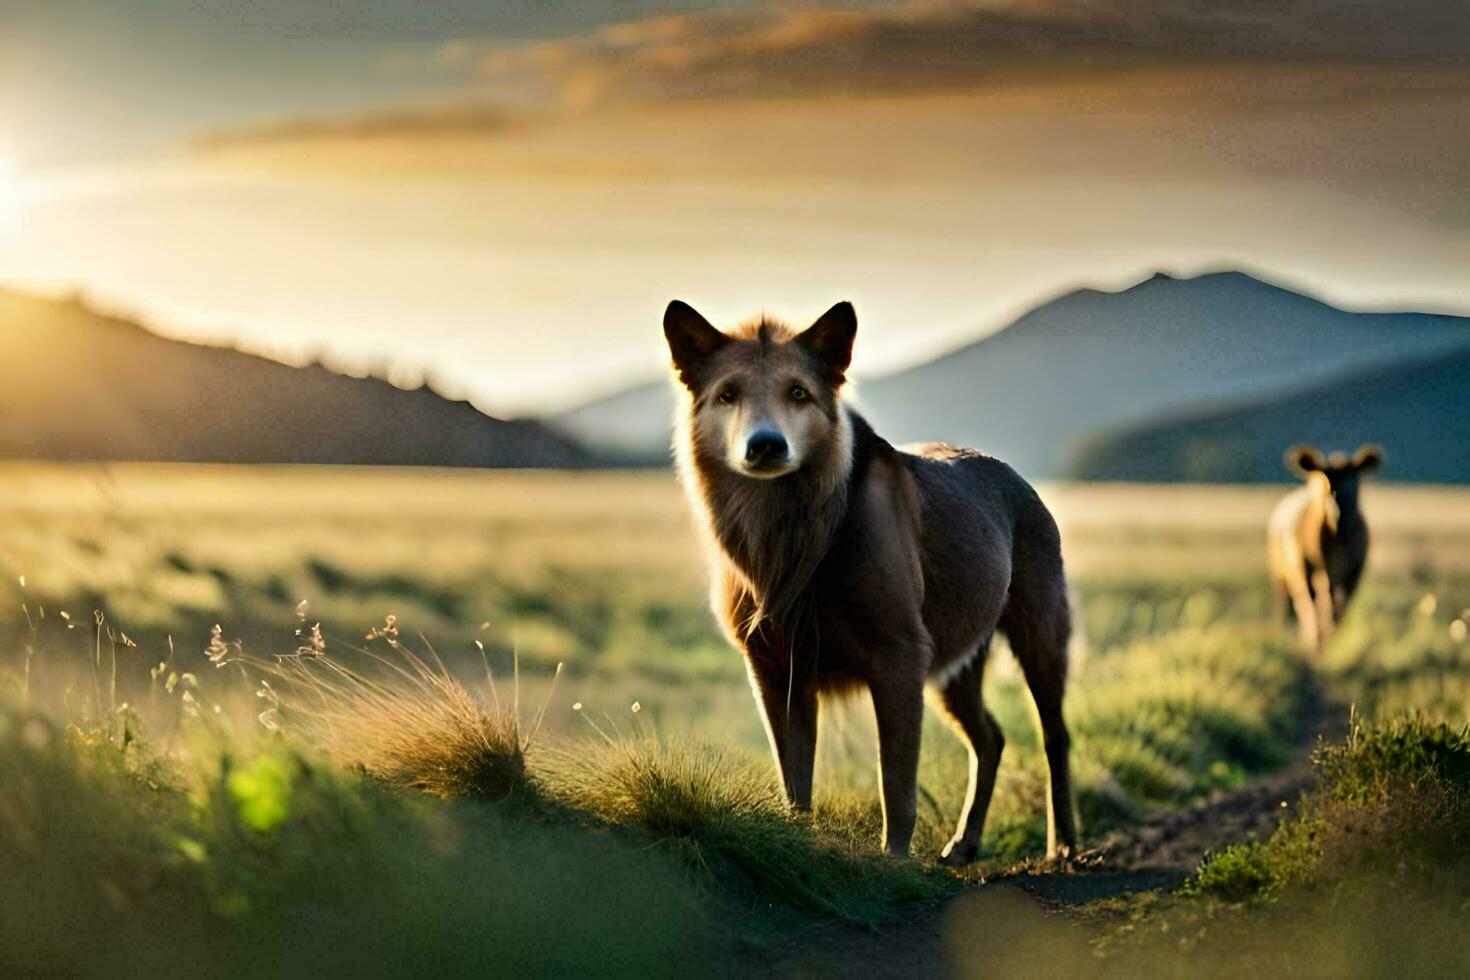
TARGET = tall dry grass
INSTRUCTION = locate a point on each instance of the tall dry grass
(402, 719)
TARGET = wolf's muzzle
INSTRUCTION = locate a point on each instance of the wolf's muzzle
(765, 447)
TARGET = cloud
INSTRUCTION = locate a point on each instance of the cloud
(390, 124)
(928, 46)
(916, 47)
(1342, 95)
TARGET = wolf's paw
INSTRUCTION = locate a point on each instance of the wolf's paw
(1060, 859)
(958, 854)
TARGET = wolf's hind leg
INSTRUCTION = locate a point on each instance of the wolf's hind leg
(962, 700)
(1039, 639)
(1061, 818)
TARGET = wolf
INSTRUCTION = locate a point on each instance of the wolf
(840, 562)
(1317, 540)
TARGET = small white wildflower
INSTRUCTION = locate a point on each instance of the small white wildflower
(315, 644)
(576, 705)
(636, 707)
(1458, 630)
(1428, 604)
(218, 650)
(388, 631)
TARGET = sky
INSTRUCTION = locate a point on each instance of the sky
(503, 197)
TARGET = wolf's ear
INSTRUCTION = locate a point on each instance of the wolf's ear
(1368, 458)
(691, 339)
(829, 340)
(1302, 460)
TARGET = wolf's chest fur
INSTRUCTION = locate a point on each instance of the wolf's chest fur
(795, 576)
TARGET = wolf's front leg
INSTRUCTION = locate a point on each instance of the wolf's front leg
(790, 711)
(898, 704)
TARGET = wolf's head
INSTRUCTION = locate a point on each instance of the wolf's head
(764, 399)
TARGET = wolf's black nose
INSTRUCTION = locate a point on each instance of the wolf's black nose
(765, 446)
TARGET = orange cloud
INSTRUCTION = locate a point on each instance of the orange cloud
(916, 47)
(947, 44)
(419, 122)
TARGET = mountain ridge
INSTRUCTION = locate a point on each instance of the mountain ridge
(83, 385)
(1419, 410)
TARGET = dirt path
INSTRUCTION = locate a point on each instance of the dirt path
(1154, 855)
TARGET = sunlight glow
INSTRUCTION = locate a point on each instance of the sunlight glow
(12, 196)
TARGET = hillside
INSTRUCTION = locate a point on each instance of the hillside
(81, 386)
(1091, 362)
(635, 423)
(1419, 412)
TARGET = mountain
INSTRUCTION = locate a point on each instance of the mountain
(1419, 412)
(1094, 361)
(1091, 362)
(634, 424)
(76, 385)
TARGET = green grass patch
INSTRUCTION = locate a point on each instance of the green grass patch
(270, 863)
(725, 819)
(1394, 802)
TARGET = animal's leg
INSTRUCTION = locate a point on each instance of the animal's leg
(1326, 615)
(1040, 643)
(898, 704)
(963, 702)
(1281, 607)
(790, 711)
(1342, 594)
(1061, 819)
(1305, 608)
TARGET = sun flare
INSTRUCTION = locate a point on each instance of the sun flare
(12, 195)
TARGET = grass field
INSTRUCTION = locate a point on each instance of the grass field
(640, 831)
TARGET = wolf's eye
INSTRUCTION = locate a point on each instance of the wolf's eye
(798, 393)
(726, 397)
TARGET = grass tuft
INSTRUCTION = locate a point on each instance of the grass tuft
(725, 818)
(409, 725)
(1394, 800)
